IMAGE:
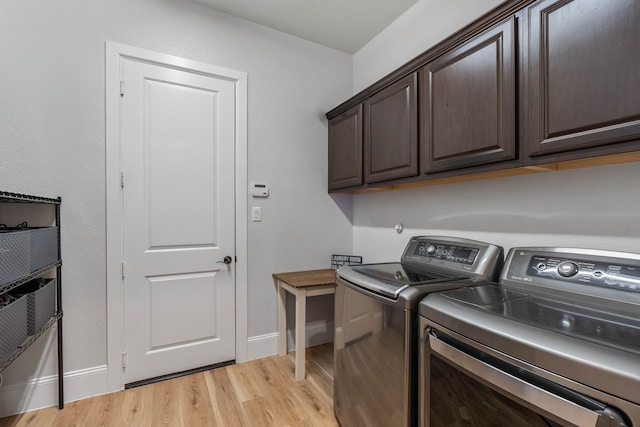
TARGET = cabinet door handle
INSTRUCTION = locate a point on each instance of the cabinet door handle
(226, 260)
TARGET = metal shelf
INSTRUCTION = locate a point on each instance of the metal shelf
(6, 197)
(30, 340)
(12, 285)
(27, 198)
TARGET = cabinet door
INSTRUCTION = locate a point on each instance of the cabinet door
(391, 132)
(345, 149)
(582, 74)
(467, 102)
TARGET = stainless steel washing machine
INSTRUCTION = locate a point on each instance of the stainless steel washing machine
(376, 324)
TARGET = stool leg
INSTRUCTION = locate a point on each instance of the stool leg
(282, 320)
(301, 320)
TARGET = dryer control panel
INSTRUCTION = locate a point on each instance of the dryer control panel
(606, 269)
(577, 270)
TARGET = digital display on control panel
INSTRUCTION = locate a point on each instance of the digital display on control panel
(605, 274)
(447, 252)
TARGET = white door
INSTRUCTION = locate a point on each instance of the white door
(177, 136)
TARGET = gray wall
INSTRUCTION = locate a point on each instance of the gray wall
(591, 208)
(52, 142)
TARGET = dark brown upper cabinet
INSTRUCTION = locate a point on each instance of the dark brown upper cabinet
(582, 76)
(391, 132)
(345, 149)
(525, 87)
(467, 102)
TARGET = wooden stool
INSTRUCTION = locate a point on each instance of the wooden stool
(301, 284)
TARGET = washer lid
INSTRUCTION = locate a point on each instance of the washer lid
(390, 279)
(398, 273)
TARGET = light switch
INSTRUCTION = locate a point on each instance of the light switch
(256, 213)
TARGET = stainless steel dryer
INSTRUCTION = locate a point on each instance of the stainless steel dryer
(555, 343)
(376, 325)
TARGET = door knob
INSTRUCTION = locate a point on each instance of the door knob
(226, 260)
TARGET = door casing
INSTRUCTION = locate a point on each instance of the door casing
(114, 52)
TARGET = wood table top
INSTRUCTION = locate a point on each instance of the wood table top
(301, 279)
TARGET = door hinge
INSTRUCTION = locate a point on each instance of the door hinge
(121, 87)
(124, 359)
(121, 179)
(123, 269)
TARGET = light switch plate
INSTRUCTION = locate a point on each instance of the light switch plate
(256, 213)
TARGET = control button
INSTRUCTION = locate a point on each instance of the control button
(567, 322)
(567, 269)
(598, 273)
(541, 267)
(431, 249)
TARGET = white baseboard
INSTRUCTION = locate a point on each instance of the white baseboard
(267, 345)
(43, 392)
(261, 346)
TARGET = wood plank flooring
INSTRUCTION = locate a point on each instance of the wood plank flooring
(261, 392)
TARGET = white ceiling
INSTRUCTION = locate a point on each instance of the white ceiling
(346, 25)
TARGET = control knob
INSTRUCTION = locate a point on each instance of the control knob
(567, 269)
(431, 249)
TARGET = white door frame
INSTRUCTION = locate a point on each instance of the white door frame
(114, 52)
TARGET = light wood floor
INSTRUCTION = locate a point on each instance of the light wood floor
(257, 393)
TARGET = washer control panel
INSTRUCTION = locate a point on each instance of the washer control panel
(454, 255)
(604, 272)
(451, 253)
